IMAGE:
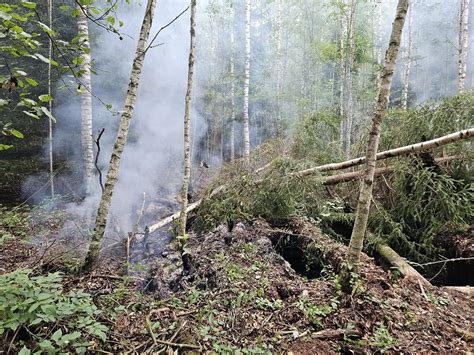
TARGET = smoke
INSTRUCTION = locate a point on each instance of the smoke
(434, 54)
(152, 158)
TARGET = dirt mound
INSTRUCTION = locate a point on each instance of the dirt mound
(240, 293)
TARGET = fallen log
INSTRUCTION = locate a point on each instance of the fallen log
(354, 175)
(468, 290)
(174, 216)
(409, 149)
(330, 180)
(396, 261)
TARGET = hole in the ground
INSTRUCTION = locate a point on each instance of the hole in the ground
(339, 229)
(456, 273)
(293, 249)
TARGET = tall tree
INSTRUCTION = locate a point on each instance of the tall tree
(86, 100)
(187, 109)
(50, 127)
(232, 85)
(463, 42)
(122, 134)
(348, 117)
(408, 60)
(247, 81)
(366, 185)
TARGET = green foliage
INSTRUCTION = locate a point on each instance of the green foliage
(316, 137)
(55, 320)
(275, 195)
(382, 339)
(13, 223)
(420, 205)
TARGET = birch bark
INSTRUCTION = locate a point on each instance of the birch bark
(463, 43)
(365, 194)
(187, 109)
(92, 257)
(86, 102)
(247, 82)
(50, 127)
(407, 69)
(232, 87)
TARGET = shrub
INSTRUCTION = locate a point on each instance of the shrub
(47, 319)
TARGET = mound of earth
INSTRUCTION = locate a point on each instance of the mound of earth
(236, 292)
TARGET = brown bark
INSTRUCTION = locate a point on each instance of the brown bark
(365, 194)
(187, 111)
(122, 134)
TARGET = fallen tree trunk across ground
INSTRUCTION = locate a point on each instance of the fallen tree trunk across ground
(335, 179)
(397, 262)
(409, 149)
(354, 175)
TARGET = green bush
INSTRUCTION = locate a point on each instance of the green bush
(48, 319)
(420, 205)
(316, 137)
(275, 195)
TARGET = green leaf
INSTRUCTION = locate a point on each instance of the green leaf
(32, 82)
(45, 98)
(46, 60)
(28, 4)
(16, 133)
(47, 113)
(24, 351)
(5, 146)
(57, 335)
(33, 115)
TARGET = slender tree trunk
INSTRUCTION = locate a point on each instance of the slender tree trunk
(349, 103)
(247, 81)
(463, 43)
(187, 109)
(86, 103)
(342, 76)
(50, 133)
(279, 71)
(232, 88)
(406, 73)
(122, 134)
(365, 194)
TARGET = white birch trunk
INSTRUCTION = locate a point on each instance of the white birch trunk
(232, 88)
(349, 104)
(246, 123)
(279, 70)
(342, 68)
(365, 194)
(122, 134)
(86, 103)
(187, 109)
(407, 69)
(50, 132)
(463, 43)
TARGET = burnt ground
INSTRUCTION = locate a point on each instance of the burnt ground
(239, 293)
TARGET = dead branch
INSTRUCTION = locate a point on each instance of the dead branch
(97, 143)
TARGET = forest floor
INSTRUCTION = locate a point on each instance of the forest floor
(248, 290)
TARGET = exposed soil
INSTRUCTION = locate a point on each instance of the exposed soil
(237, 292)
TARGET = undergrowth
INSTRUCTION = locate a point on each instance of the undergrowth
(36, 315)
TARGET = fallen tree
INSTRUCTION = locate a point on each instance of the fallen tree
(354, 175)
(409, 149)
(396, 261)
